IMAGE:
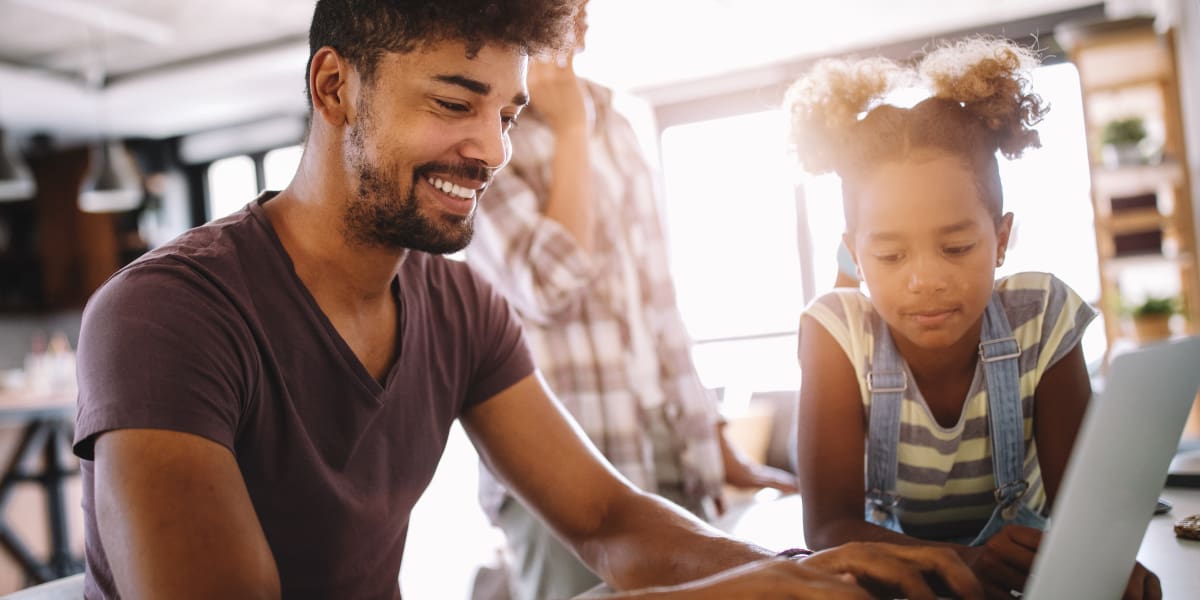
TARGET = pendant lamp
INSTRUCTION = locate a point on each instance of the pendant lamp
(16, 180)
(113, 183)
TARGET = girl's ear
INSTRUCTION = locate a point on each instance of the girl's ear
(1003, 231)
(848, 242)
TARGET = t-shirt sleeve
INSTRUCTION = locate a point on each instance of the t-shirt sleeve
(501, 356)
(160, 348)
(1065, 320)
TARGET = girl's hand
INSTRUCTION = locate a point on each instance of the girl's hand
(1003, 563)
(1143, 585)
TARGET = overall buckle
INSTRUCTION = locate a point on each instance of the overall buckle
(985, 358)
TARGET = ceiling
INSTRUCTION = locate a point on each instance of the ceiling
(159, 68)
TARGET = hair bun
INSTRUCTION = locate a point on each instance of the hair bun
(988, 77)
(827, 101)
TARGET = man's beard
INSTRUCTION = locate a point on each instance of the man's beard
(377, 216)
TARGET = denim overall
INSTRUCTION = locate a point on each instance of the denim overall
(887, 382)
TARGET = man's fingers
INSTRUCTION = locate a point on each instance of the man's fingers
(903, 568)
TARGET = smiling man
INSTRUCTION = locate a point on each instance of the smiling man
(263, 400)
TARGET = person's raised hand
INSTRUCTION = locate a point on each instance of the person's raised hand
(892, 570)
(557, 94)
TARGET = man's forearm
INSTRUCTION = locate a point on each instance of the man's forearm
(649, 542)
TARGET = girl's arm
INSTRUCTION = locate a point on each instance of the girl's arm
(1060, 400)
(829, 446)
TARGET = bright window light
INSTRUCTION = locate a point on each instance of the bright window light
(731, 215)
(279, 166)
(231, 184)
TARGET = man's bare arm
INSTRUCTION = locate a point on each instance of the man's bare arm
(176, 520)
(635, 540)
(631, 539)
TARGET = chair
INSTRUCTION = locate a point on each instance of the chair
(65, 588)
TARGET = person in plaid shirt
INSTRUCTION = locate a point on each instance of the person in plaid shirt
(570, 235)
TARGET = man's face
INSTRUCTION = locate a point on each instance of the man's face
(424, 140)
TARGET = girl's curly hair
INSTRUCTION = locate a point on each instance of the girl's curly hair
(980, 103)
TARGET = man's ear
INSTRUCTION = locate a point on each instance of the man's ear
(329, 81)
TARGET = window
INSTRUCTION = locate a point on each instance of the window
(731, 218)
(279, 166)
(232, 182)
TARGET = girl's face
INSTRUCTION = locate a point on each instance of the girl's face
(928, 249)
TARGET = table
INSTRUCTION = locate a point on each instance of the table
(1176, 561)
(777, 523)
(42, 457)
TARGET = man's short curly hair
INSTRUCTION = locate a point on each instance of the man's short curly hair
(362, 31)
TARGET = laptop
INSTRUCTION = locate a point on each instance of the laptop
(1118, 466)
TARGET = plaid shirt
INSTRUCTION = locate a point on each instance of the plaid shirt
(586, 315)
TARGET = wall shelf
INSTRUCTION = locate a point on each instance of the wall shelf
(1145, 234)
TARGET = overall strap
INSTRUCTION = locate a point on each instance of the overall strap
(886, 382)
(998, 352)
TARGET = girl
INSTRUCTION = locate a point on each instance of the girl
(957, 395)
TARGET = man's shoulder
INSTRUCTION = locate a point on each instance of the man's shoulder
(205, 257)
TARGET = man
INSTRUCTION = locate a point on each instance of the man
(570, 234)
(263, 399)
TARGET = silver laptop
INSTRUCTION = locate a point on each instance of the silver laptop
(1117, 469)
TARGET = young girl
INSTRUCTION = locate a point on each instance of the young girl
(957, 395)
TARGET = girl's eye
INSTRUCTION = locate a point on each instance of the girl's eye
(887, 258)
(452, 106)
(958, 250)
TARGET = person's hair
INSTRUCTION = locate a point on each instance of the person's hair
(980, 103)
(362, 31)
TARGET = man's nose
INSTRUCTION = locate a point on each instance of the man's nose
(488, 143)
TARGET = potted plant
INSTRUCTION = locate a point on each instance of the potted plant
(1151, 318)
(1121, 142)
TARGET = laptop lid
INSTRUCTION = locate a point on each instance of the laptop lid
(1117, 469)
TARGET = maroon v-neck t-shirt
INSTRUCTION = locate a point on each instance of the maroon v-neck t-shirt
(215, 335)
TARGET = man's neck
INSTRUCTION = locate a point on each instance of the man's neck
(340, 274)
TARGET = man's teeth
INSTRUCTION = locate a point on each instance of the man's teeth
(452, 188)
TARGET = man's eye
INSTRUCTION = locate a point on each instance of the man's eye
(887, 258)
(958, 250)
(452, 106)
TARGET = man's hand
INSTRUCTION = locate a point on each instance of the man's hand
(1003, 563)
(893, 570)
(761, 580)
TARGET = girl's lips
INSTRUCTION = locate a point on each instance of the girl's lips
(932, 318)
